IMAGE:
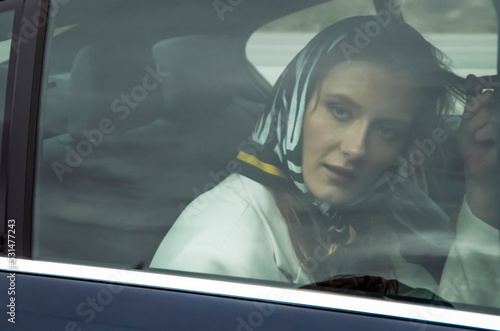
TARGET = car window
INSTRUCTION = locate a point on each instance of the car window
(273, 45)
(447, 24)
(135, 122)
(146, 120)
(7, 19)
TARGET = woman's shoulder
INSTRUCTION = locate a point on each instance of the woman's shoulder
(238, 181)
(224, 231)
(233, 195)
(238, 202)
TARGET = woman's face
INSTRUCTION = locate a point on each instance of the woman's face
(355, 126)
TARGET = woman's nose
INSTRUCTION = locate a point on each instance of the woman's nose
(353, 144)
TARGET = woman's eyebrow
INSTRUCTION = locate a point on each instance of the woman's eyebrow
(353, 104)
(396, 122)
(344, 99)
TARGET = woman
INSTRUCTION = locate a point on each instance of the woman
(315, 199)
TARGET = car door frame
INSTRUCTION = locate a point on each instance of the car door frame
(16, 189)
(21, 114)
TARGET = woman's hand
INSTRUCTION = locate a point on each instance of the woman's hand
(477, 139)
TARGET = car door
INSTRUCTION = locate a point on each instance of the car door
(102, 150)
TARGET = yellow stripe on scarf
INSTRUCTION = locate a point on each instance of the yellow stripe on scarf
(266, 167)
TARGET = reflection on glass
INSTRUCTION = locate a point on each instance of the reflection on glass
(7, 19)
(352, 179)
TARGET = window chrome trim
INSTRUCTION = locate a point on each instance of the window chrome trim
(311, 299)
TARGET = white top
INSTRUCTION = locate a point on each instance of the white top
(235, 229)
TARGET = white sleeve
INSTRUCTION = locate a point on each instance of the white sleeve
(472, 271)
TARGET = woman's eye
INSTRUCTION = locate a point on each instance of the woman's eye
(387, 132)
(339, 112)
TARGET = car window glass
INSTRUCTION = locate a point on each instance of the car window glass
(465, 32)
(135, 122)
(447, 24)
(450, 24)
(7, 19)
(140, 123)
(272, 46)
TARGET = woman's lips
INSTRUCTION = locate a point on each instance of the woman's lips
(339, 174)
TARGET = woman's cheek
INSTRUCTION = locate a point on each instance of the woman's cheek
(385, 155)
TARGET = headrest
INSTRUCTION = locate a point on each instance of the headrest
(202, 70)
(115, 80)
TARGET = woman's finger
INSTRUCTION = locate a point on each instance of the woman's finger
(471, 84)
(486, 134)
(475, 103)
(476, 95)
(476, 85)
(480, 119)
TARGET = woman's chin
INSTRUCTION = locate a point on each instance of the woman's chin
(338, 197)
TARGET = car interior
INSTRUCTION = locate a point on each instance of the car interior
(168, 143)
(138, 119)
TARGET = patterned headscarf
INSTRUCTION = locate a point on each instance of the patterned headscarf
(277, 137)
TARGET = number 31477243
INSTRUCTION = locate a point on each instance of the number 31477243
(11, 236)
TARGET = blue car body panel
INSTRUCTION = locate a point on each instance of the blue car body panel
(52, 303)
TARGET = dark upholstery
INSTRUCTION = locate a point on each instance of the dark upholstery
(54, 121)
(117, 205)
(190, 75)
(101, 76)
